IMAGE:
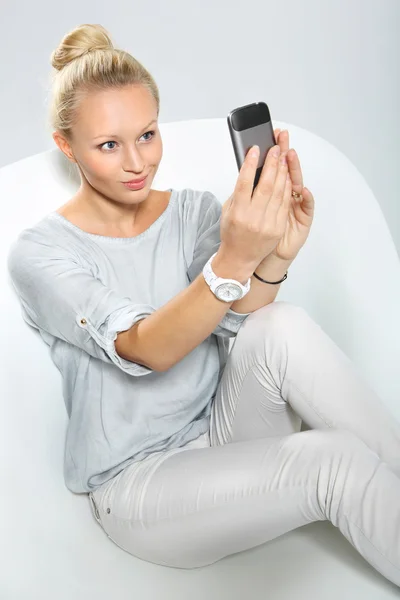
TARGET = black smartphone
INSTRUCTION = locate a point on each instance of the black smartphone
(249, 125)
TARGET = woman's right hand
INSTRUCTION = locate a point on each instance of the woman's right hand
(252, 225)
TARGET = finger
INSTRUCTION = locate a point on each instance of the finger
(284, 140)
(287, 199)
(278, 140)
(295, 170)
(245, 181)
(277, 198)
(307, 206)
(265, 187)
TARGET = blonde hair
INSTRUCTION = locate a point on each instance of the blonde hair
(86, 60)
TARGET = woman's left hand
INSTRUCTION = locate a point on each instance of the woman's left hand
(301, 211)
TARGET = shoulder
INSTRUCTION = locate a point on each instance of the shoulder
(43, 241)
(196, 204)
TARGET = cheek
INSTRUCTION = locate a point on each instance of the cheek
(157, 151)
(160, 146)
(101, 167)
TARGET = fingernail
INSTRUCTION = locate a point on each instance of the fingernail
(254, 151)
(283, 159)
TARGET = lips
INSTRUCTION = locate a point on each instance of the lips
(136, 180)
(136, 184)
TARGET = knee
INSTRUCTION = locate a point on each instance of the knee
(281, 315)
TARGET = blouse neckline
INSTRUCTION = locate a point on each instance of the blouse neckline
(117, 240)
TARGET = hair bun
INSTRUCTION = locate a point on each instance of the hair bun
(80, 41)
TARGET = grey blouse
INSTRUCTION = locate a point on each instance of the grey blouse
(79, 289)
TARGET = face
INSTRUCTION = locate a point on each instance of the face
(115, 139)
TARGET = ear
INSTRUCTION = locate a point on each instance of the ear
(64, 145)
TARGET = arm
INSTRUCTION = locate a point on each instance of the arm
(169, 334)
(61, 297)
(271, 268)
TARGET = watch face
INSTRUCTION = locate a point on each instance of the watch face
(228, 292)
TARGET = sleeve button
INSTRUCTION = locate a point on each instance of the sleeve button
(83, 321)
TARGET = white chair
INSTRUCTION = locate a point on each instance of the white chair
(347, 276)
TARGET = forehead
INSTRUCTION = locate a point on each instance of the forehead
(114, 109)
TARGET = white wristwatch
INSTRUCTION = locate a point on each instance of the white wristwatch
(227, 290)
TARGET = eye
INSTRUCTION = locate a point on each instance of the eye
(152, 133)
(110, 142)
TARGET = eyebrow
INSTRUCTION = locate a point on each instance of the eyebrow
(116, 134)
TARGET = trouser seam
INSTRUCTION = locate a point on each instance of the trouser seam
(189, 514)
(249, 370)
(307, 402)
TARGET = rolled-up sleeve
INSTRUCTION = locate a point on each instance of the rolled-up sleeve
(208, 241)
(61, 297)
(230, 323)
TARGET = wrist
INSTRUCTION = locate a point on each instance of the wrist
(224, 267)
(273, 259)
(273, 268)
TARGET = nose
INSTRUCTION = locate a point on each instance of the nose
(132, 160)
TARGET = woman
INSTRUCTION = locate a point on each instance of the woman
(189, 454)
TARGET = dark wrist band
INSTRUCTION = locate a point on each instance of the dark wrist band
(272, 282)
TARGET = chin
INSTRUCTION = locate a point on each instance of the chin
(132, 197)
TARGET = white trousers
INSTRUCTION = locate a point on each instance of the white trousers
(255, 475)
